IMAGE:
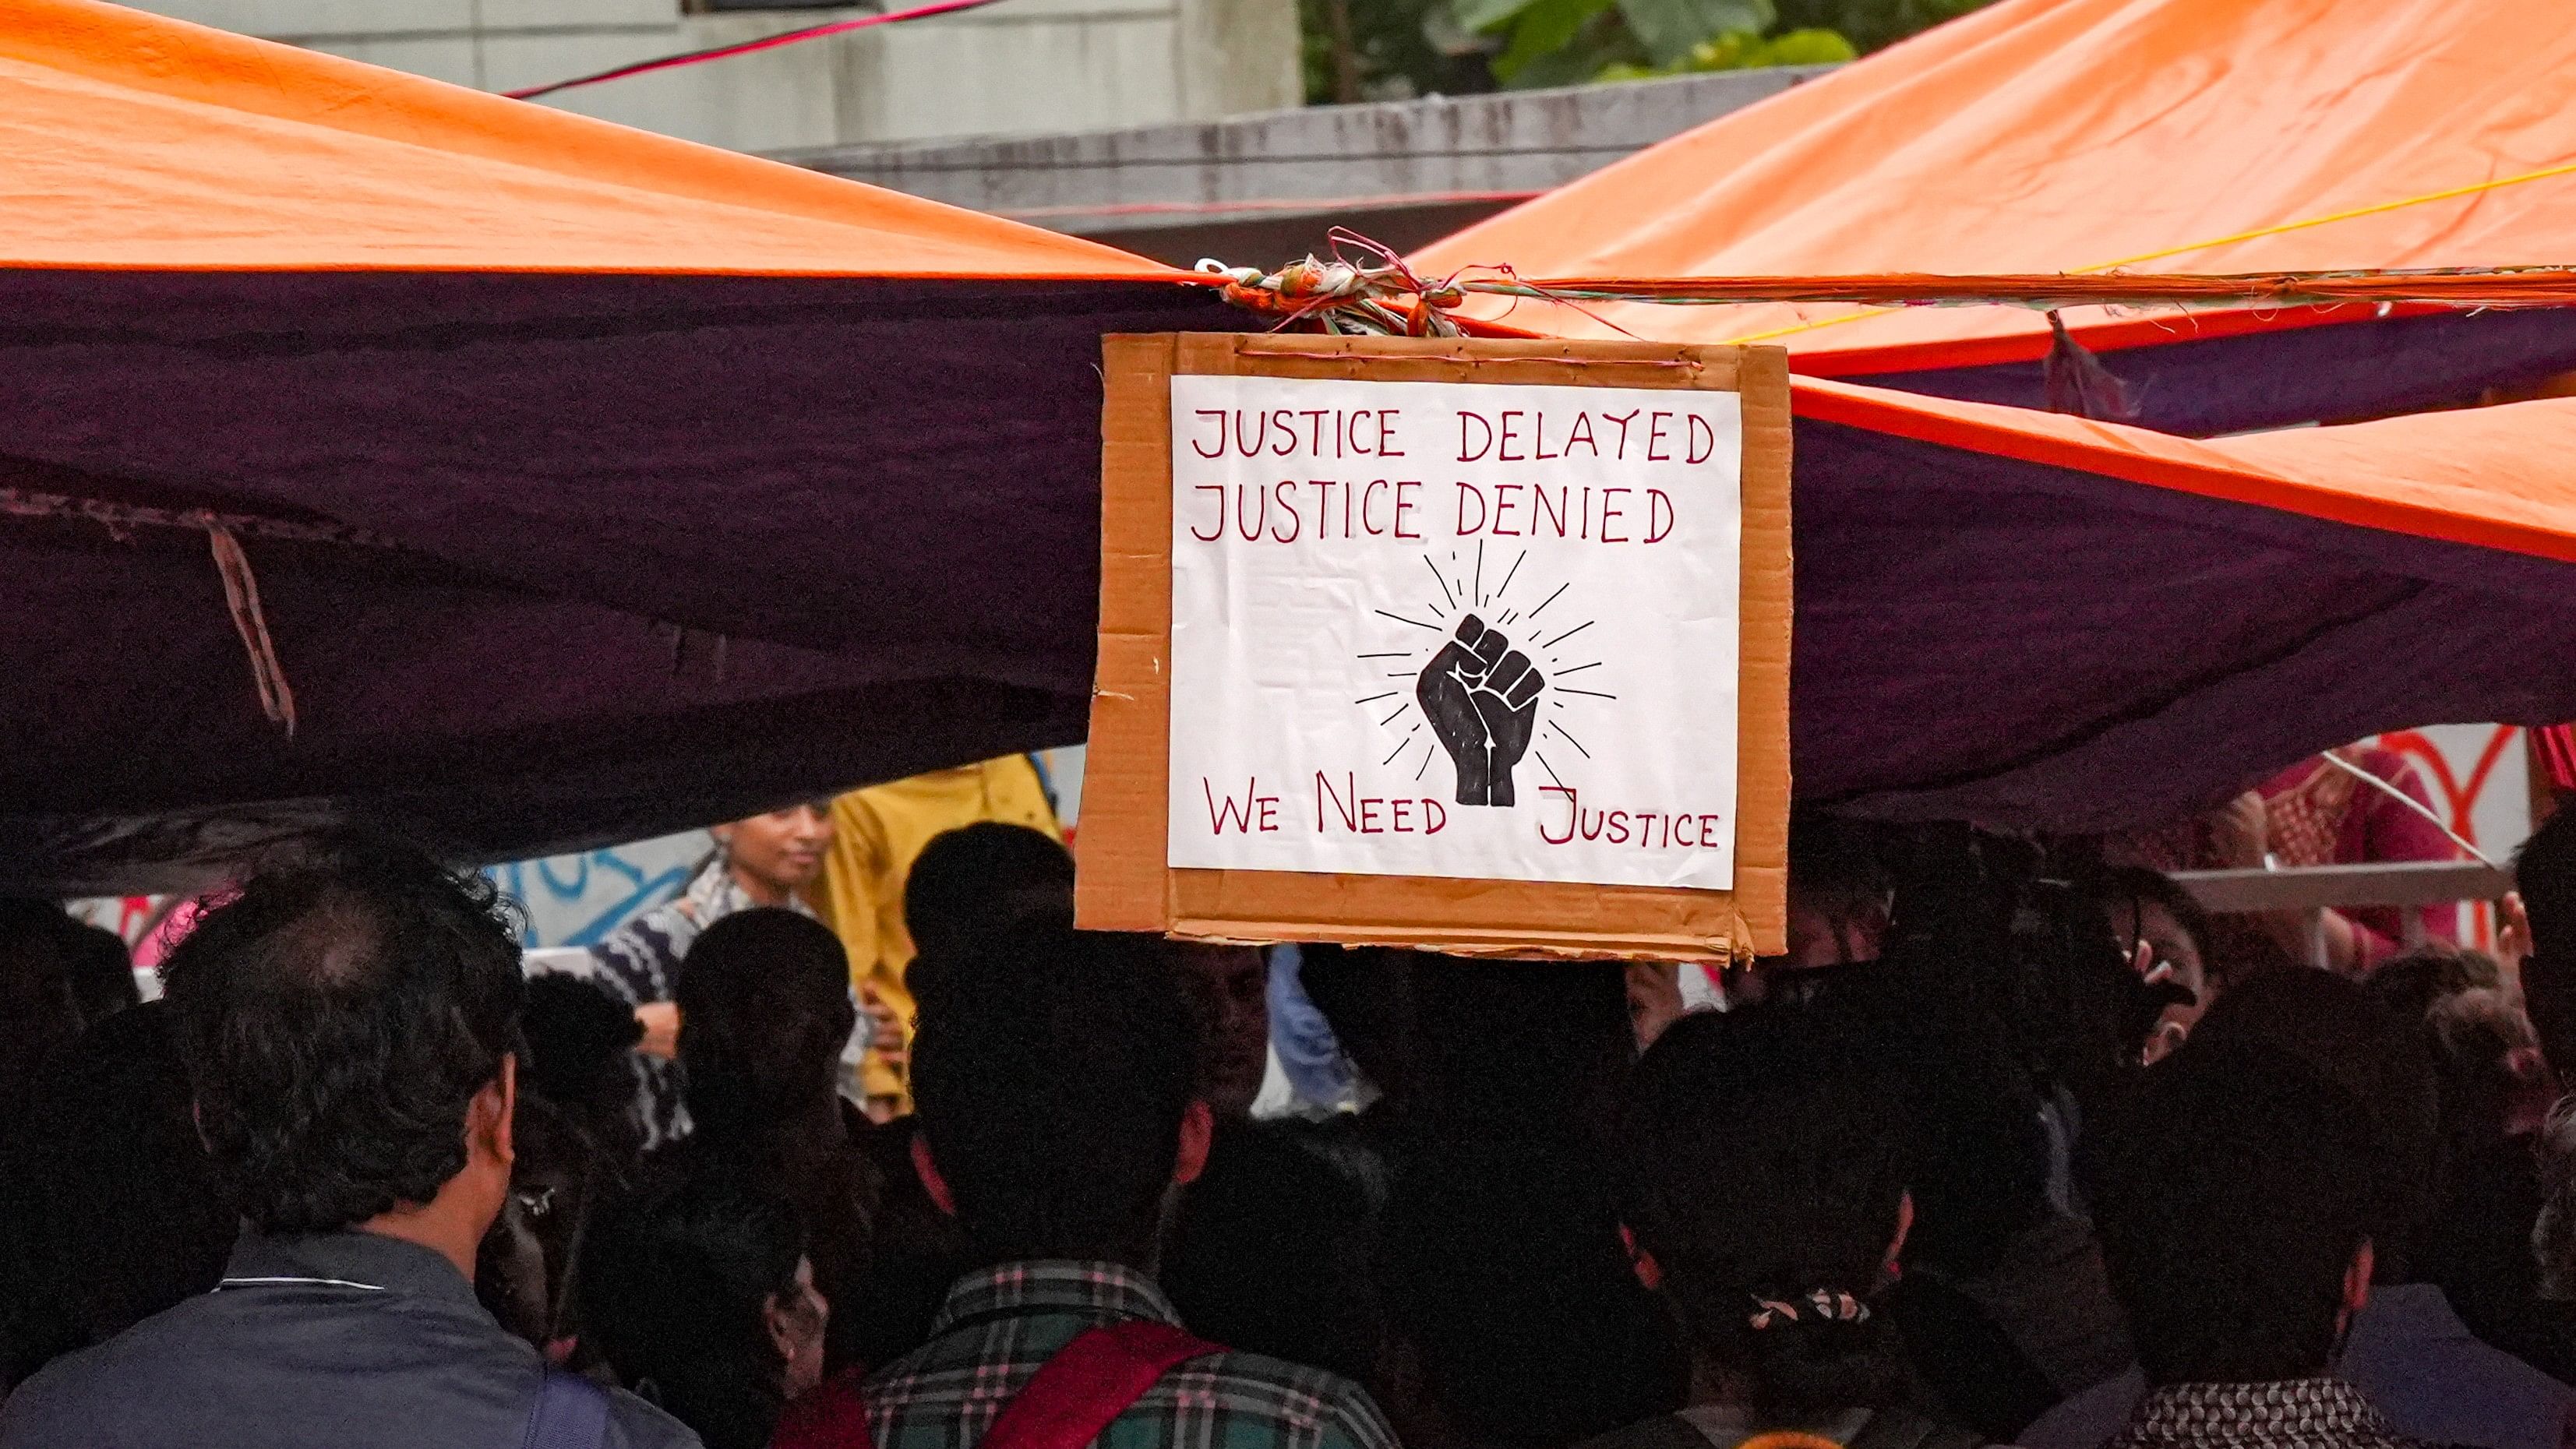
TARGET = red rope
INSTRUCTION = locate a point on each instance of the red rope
(746, 47)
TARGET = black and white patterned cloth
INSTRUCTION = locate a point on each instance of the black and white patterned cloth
(2321, 1413)
(640, 962)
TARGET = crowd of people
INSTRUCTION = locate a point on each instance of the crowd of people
(2015, 1145)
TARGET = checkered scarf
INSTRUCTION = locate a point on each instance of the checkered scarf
(2322, 1413)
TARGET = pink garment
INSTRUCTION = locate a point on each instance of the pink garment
(2323, 816)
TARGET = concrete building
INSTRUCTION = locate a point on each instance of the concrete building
(1264, 189)
(1029, 65)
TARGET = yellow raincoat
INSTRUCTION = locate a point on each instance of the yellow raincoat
(878, 832)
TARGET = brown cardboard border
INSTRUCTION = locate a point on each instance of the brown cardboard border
(1123, 883)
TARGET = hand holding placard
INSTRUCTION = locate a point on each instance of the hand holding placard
(1481, 696)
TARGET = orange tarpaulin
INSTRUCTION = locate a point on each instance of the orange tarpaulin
(2065, 135)
(141, 142)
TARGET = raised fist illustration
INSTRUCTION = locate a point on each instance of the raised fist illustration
(1481, 696)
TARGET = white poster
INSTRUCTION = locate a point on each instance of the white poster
(1455, 629)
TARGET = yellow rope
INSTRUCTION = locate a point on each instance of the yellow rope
(2358, 211)
(2262, 231)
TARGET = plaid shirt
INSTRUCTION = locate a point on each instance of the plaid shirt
(999, 1325)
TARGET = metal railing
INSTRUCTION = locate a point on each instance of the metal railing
(2316, 888)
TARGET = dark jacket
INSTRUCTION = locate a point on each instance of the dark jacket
(344, 1340)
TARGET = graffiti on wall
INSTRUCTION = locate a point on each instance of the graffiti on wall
(574, 900)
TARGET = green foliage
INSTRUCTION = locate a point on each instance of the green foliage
(1872, 24)
(1671, 29)
(1368, 49)
(1566, 42)
(1358, 50)
(1742, 50)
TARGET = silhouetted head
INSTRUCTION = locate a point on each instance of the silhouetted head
(109, 1211)
(1228, 990)
(2377, 1060)
(2233, 1199)
(579, 1040)
(1840, 891)
(1053, 1075)
(2410, 985)
(765, 1010)
(696, 1288)
(1763, 1173)
(102, 970)
(40, 1000)
(341, 1015)
(982, 878)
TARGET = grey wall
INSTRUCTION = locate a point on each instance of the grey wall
(1027, 65)
(1264, 188)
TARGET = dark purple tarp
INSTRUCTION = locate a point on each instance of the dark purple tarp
(873, 504)
(669, 550)
(2337, 372)
(1996, 640)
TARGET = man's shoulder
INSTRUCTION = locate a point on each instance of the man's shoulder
(86, 1390)
(1299, 1397)
(1252, 1391)
(2089, 1418)
(2472, 1365)
(171, 1340)
(1664, 1431)
(635, 1424)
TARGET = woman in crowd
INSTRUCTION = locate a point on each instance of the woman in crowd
(765, 860)
(1762, 1174)
(697, 1289)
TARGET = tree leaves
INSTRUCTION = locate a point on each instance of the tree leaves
(1547, 30)
(1742, 50)
(1567, 42)
(1671, 29)
(1483, 15)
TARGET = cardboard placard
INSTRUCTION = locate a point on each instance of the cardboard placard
(1481, 646)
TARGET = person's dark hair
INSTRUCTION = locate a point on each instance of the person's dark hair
(578, 1036)
(674, 1277)
(1505, 1276)
(915, 1252)
(1366, 996)
(1050, 1073)
(1273, 1249)
(102, 970)
(2335, 1028)
(108, 1206)
(2488, 1055)
(579, 1040)
(2121, 889)
(2544, 871)
(1760, 1166)
(2553, 1236)
(338, 1013)
(525, 1272)
(2409, 985)
(2231, 1195)
(1838, 867)
(985, 877)
(40, 1010)
(1517, 1046)
(765, 1009)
